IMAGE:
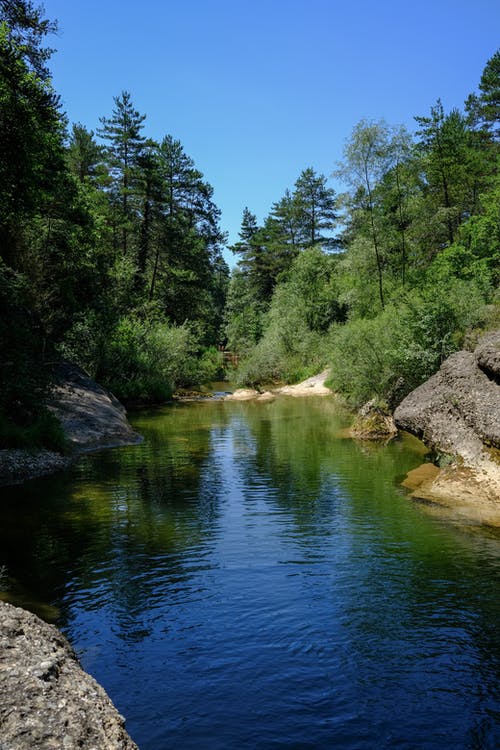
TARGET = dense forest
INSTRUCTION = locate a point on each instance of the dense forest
(111, 251)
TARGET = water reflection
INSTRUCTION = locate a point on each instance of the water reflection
(249, 578)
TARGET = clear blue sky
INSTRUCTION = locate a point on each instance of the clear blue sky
(258, 90)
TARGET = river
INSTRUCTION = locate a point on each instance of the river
(250, 579)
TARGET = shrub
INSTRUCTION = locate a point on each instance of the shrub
(145, 360)
(388, 356)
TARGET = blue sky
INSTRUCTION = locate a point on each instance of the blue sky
(257, 91)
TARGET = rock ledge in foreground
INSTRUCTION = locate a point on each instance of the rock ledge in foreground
(48, 701)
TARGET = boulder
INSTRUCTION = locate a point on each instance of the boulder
(48, 701)
(242, 394)
(487, 354)
(373, 423)
(91, 416)
(457, 413)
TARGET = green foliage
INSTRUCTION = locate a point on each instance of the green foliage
(387, 356)
(302, 308)
(43, 431)
(24, 381)
(24, 377)
(31, 152)
(244, 315)
(147, 359)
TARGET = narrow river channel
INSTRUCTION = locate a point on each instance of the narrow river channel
(250, 579)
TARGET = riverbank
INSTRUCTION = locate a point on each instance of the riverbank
(48, 701)
(456, 413)
(91, 418)
(313, 386)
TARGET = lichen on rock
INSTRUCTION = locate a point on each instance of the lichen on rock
(48, 701)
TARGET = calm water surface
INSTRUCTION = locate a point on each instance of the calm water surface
(249, 579)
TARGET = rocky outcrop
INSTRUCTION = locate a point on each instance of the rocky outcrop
(373, 423)
(488, 354)
(457, 412)
(91, 418)
(90, 415)
(48, 701)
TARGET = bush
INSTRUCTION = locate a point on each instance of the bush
(388, 356)
(44, 431)
(25, 379)
(302, 308)
(146, 360)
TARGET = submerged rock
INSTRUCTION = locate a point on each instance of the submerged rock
(373, 423)
(48, 701)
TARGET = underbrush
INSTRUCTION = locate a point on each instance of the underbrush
(42, 431)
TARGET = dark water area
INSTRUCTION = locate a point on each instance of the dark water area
(248, 578)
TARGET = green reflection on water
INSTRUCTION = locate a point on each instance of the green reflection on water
(97, 525)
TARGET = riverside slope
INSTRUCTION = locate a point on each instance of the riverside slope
(91, 417)
(457, 412)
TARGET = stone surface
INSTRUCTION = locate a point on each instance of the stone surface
(457, 412)
(91, 416)
(373, 423)
(47, 700)
(19, 465)
(314, 386)
(242, 394)
(487, 353)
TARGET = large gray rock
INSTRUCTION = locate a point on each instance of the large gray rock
(488, 354)
(457, 411)
(47, 700)
(91, 418)
(90, 415)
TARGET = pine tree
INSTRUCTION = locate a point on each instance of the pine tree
(122, 131)
(314, 208)
(85, 156)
